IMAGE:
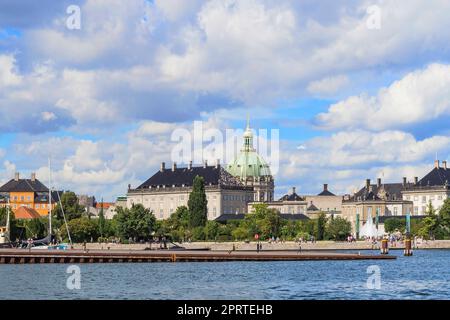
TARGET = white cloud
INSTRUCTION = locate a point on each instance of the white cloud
(8, 73)
(420, 96)
(346, 158)
(328, 85)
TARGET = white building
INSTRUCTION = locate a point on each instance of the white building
(169, 189)
(433, 187)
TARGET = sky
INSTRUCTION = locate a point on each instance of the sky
(356, 89)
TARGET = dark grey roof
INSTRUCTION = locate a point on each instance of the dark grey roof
(291, 197)
(184, 176)
(326, 193)
(23, 185)
(393, 192)
(228, 217)
(312, 207)
(436, 177)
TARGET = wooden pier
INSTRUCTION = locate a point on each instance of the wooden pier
(24, 256)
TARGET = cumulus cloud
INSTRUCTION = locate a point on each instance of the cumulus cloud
(8, 73)
(346, 158)
(328, 85)
(419, 96)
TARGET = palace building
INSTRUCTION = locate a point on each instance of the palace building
(228, 190)
(433, 188)
(29, 193)
(169, 188)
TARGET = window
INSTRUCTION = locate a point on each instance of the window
(424, 199)
(29, 198)
(416, 210)
(22, 198)
(439, 197)
(424, 210)
(214, 212)
(37, 206)
(431, 198)
(395, 211)
(416, 198)
(408, 198)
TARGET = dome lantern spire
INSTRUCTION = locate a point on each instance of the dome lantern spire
(248, 137)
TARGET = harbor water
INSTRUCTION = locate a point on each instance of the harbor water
(426, 275)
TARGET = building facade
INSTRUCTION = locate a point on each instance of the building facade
(381, 199)
(433, 188)
(325, 201)
(29, 193)
(291, 203)
(169, 189)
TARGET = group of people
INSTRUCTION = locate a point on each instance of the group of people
(311, 239)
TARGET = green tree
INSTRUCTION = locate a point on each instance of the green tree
(81, 230)
(320, 226)
(179, 219)
(394, 224)
(211, 230)
(263, 221)
(444, 218)
(36, 228)
(338, 228)
(15, 229)
(136, 223)
(430, 209)
(428, 227)
(72, 209)
(240, 233)
(197, 204)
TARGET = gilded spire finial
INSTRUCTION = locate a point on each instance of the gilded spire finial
(248, 120)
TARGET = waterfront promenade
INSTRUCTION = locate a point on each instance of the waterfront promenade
(279, 246)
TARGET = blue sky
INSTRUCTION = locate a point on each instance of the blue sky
(350, 101)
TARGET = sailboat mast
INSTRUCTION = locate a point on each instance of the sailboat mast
(8, 222)
(49, 200)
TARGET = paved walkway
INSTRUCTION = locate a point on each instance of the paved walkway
(289, 245)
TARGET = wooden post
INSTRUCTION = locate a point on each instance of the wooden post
(408, 251)
(384, 246)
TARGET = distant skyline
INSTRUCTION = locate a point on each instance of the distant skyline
(350, 102)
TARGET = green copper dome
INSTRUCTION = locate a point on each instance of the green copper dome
(248, 164)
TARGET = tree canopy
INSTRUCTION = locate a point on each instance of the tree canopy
(198, 204)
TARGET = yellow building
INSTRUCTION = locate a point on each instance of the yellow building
(30, 193)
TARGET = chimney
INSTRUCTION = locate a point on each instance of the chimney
(163, 166)
(416, 180)
(436, 164)
(16, 176)
(444, 164)
(205, 164)
(129, 186)
(379, 182)
(325, 187)
(367, 184)
(293, 190)
(174, 166)
(33, 177)
(404, 181)
(217, 163)
(190, 165)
